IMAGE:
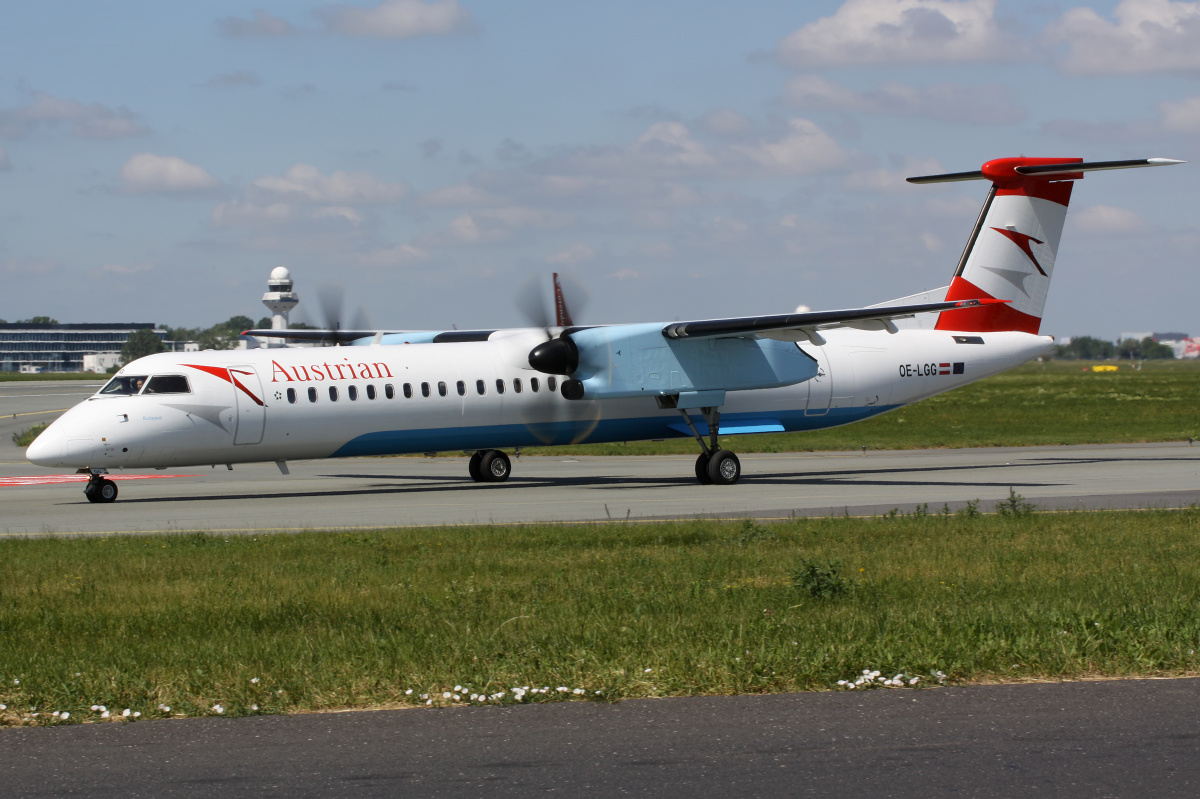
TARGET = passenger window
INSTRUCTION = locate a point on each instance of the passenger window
(408, 390)
(388, 391)
(517, 385)
(424, 389)
(551, 382)
(371, 391)
(533, 384)
(312, 394)
(333, 393)
(462, 389)
(123, 385)
(353, 392)
(480, 387)
(292, 396)
(168, 384)
(499, 386)
(441, 388)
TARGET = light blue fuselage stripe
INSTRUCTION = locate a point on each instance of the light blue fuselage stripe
(399, 442)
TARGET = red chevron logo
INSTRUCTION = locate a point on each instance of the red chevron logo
(1022, 241)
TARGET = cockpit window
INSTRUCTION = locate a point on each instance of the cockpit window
(129, 384)
(168, 384)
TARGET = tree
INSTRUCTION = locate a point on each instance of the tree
(38, 320)
(1145, 350)
(142, 343)
(1086, 348)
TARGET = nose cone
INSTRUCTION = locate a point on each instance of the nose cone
(47, 448)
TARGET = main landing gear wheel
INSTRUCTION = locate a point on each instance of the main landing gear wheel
(100, 490)
(473, 466)
(702, 469)
(492, 466)
(724, 468)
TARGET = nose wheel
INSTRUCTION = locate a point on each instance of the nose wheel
(100, 489)
(715, 466)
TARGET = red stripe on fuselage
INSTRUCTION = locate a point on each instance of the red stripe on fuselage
(984, 318)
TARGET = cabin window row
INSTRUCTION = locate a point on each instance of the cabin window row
(426, 389)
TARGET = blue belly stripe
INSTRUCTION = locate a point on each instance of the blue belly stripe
(445, 439)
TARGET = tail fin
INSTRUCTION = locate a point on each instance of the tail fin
(1010, 255)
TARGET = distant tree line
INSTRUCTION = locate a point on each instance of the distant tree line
(221, 336)
(1086, 348)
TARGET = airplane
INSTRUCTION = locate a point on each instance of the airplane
(482, 391)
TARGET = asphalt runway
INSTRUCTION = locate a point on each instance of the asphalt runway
(1131, 738)
(386, 492)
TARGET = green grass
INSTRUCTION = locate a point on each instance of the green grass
(334, 620)
(1058, 402)
(26, 437)
(17, 377)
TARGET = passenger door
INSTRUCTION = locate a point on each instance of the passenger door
(251, 409)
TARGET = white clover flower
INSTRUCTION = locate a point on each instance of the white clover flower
(562, 689)
(474, 697)
(105, 714)
(424, 696)
(254, 680)
(64, 715)
(428, 701)
(254, 707)
(218, 709)
(445, 694)
(137, 714)
(841, 682)
(408, 692)
(16, 682)
(914, 681)
(3, 707)
(126, 712)
(94, 707)
(101, 708)
(647, 671)
(577, 691)
(458, 689)
(55, 714)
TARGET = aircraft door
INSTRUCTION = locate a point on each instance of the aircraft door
(820, 386)
(251, 409)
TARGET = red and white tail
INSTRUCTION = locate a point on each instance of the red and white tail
(1010, 255)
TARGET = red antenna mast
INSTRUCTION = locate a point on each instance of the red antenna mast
(562, 317)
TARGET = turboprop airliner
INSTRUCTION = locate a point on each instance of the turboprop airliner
(484, 391)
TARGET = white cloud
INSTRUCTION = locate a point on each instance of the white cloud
(890, 181)
(868, 32)
(400, 255)
(263, 24)
(1182, 116)
(243, 214)
(158, 174)
(4, 162)
(572, 256)
(1147, 36)
(991, 104)
(94, 121)
(1102, 219)
(460, 194)
(723, 122)
(303, 183)
(398, 19)
(804, 150)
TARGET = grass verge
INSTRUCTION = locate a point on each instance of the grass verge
(203, 624)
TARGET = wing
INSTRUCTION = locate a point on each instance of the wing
(806, 326)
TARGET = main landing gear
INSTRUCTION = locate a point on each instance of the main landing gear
(715, 466)
(489, 466)
(99, 488)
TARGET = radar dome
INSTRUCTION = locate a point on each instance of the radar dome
(280, 273)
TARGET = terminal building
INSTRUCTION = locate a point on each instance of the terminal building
(26, 347)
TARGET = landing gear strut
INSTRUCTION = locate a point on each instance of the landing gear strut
(715, 466)
(489, 466)
(99, 488)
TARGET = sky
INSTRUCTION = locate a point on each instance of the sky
(680, 160)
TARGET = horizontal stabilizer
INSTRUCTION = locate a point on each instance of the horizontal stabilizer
(1046, 170)
(806, 325)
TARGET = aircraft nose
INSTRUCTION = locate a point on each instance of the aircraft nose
(46, 449)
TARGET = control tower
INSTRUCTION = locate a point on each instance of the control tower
(280, 299)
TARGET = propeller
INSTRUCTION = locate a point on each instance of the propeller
(331, 299)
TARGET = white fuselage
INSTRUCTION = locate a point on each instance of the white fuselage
(303, 403)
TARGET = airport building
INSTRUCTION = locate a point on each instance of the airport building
(28, 347)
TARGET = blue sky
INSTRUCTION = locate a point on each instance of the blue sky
(681, 160)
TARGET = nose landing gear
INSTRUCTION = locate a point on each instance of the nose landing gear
(99, 488)
(715, 466)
